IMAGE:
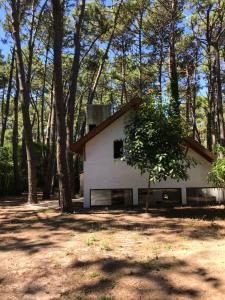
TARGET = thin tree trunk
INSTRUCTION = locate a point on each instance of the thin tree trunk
(220, 117)
(78, 123)
(73, 92)
(76, 174)
(47, 137)
(43, 99)
(175, 99)
(147, 196)
(34, 104)
(211, 116)
(62, 169)
(174, 79)
(140, 54)
(160, 68)
(195, 131)
(3, 103)
(99, 72)
(16, 174)
(6, 112)
(124, 89)
(24, 92)
(50, 157)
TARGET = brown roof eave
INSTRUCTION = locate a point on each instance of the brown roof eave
(79, 146)
(193, 144)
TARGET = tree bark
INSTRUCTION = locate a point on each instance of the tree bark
(50, 157)
(220, 117)
(147, 197)
(16, 175)
(73, 92)
(140, 53)
(160, 66)
(123, 71)
(188, 97)
(43, 99)
(175, 99)
(65, 200)
(24, 92)
(99, 72)
(211, 115)
(8, 94)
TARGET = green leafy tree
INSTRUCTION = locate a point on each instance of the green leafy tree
(217, 173)
(154, 144)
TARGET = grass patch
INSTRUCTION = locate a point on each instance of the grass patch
(94, 275)
(105, 246)
(168, 247)
(91, 240)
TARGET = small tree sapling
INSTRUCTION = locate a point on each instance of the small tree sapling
(154, 144)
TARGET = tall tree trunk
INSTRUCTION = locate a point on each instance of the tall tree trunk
(188, 96)
(99, 72)
(6, 110)
(160, 67)
(148, 196)
(124, 88)
(211, 116)
(174, 79)
(43, 98)
(62, 169)
(72, 93)
(220, 117)
(175, 101)
(195, 131)
(3, 102)
(16, 175)
(50, 157)
(25, 95)
(140, 25)
(30, 46)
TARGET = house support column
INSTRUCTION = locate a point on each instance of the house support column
(87, 198)
(183, 196)
(220, 195)
(135, 197)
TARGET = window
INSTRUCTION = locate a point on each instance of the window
(196, 196)
(118, 148)
(160, 197)
(112, 197)
(91, 126)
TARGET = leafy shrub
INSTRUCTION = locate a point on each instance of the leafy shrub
(6, 171)
(217, 173)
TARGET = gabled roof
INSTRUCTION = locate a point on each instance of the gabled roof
(201, 150)
(79, 146)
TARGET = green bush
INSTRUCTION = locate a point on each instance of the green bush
(6, 171)
(217, 173)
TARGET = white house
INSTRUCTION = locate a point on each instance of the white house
(107, 180)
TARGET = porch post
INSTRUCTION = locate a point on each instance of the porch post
(219, 195)
(135, 196)
(183, 196)
(87, 197)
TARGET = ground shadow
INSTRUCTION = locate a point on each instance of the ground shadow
(153, 276)
(173, 221)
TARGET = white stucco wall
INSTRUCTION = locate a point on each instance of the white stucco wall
(102, 171)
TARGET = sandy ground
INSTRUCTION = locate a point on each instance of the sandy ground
(166, 254)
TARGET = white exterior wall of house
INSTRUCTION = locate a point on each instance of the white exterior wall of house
(102, 171)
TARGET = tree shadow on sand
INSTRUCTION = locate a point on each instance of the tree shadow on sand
(158, 221)
(140, 279)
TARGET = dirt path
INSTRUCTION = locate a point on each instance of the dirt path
(104, 255)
